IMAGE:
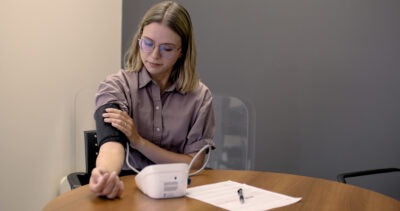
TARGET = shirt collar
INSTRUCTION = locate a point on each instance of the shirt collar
(144, 79)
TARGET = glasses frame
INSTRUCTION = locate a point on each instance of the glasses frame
(161, 48)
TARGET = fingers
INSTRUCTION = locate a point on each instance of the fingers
(111, 186)
(119, 119)
(115, 113)
(97, 181)
(106, 184)
(116, 190)
(122, 187)
(123, 122)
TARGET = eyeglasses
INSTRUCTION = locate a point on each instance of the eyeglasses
(166, 50)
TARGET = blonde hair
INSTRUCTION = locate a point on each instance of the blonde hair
(177, 18)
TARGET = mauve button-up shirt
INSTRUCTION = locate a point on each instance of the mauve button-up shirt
(177, 122)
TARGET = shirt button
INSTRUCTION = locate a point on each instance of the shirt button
(157, 107)
(158, 129)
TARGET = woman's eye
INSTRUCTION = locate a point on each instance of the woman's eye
(167, 48)
(148, 43)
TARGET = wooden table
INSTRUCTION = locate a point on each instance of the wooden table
(317, 194)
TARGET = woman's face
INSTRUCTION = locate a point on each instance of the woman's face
(160, 48)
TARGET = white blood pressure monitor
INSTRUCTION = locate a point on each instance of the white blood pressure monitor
(166, 180)
(163, 180)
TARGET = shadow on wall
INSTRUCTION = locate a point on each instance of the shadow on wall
(84, 120)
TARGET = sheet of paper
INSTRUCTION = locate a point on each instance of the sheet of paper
(225, 195)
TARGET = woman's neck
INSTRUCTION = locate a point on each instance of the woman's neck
(162, 82)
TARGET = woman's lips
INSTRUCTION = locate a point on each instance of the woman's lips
(154, 65)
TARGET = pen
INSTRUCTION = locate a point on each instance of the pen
(240, 193)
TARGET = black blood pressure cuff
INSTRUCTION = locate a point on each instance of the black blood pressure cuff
(105, 131)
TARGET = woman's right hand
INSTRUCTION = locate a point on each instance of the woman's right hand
(106, 184)
(123, 122)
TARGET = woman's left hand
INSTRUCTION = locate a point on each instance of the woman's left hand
(123, 122)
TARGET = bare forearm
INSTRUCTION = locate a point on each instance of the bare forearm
(111, 157)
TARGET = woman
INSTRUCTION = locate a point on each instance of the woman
(156, 104)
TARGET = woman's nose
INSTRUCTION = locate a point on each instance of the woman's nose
(156, 52)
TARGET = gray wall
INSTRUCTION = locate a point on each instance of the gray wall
(321, 78)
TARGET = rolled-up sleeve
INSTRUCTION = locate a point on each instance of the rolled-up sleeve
(114, 89)
(203, 129)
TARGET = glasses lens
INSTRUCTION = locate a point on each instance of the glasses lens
(167, 50)
(146, 45)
